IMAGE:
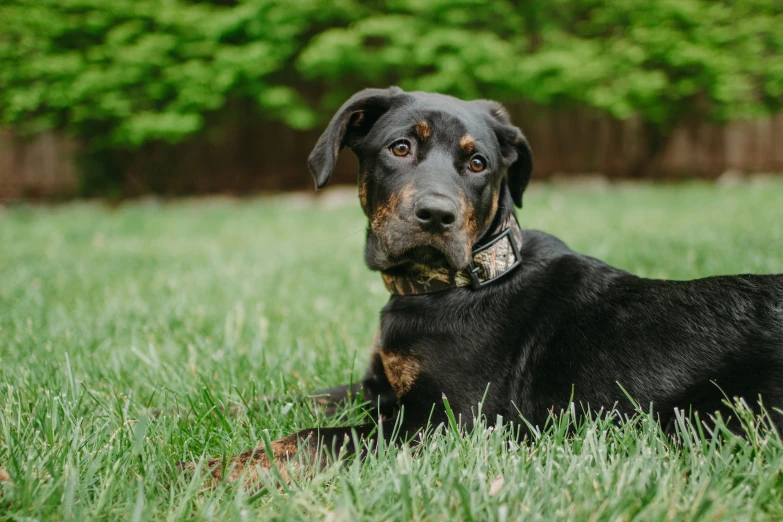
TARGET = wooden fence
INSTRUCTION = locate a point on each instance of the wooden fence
(271, 157)
(41, 167)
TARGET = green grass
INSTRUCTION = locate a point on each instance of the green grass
(107, 315)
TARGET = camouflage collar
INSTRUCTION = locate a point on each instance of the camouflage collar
(490, 262)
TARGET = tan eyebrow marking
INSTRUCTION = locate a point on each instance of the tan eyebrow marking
(363, 189)
(467, 144)
(423, 130)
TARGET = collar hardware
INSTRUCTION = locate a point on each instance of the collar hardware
(475, 270)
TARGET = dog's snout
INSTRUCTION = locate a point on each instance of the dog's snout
(435, 213)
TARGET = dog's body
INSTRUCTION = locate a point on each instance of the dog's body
(566, 327)
(437, 180)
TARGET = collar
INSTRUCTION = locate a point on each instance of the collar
(489, 262)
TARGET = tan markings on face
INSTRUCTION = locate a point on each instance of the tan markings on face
(423, 130)
(407, 193)
(471, 221)
(494, 209)
(363, 190)
(383, 212)
(402, 370)
(388, 211)
(467, 144)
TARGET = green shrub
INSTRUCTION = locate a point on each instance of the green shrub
(122, 73)
(662, 60)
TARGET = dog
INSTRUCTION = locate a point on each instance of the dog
(483, 311)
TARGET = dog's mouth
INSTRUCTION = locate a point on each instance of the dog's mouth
(396, 242)
(432, 251)
(425, 255)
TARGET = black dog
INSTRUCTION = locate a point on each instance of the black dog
(482, 309)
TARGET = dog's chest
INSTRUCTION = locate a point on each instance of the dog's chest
(402, 370)
(431, 353)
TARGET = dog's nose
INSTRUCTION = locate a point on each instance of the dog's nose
(435, 214)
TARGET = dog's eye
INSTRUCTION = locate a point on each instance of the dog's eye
(477, 164)
(401, 148)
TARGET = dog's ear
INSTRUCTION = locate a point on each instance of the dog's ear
(351, 123)
(517, 156)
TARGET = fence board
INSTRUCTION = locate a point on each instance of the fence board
(238, 159)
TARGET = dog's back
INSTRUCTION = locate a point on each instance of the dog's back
(685, 344)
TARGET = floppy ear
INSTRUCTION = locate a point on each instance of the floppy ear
(514, 148)
(351, 123)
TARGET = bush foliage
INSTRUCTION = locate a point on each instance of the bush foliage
(124, 72)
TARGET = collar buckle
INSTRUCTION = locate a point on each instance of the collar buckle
(475, 282)
(473, 271)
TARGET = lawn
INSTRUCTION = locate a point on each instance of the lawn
(127, 333)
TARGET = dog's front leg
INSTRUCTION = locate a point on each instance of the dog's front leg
(374, 389)
(303, 452)
(331, 399)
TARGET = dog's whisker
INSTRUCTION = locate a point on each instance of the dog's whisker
(352, 234)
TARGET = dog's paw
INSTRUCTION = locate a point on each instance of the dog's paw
(249, 465)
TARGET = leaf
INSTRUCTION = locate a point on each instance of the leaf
(496, 485)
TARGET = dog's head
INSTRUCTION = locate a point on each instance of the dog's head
(433, 171)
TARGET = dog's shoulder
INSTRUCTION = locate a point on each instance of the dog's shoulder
(545, 249)
(543, 243)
